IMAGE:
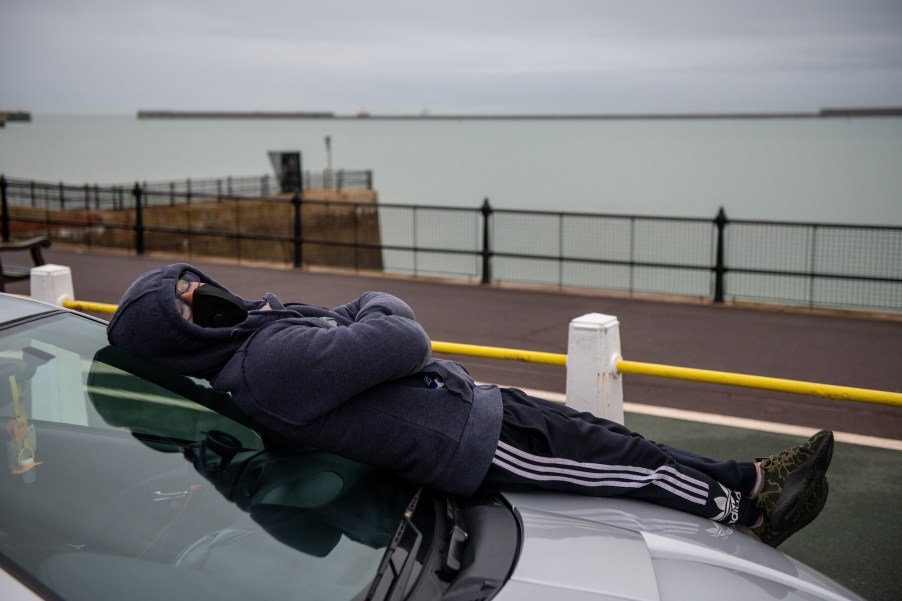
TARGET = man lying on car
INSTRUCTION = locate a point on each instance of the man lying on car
(359, 381)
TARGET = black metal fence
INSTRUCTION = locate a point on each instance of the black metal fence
(257, 187)
(92, 196)
(810, 264)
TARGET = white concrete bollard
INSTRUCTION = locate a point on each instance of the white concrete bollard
(52, 284)
(593, 383)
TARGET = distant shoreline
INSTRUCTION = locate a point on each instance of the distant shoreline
(823, 113)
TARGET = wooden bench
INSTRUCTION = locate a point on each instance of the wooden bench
(15, 273)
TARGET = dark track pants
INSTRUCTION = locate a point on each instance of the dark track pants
(547, 446)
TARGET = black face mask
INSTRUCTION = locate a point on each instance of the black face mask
(216, 308)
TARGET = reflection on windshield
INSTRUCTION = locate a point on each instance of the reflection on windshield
(143, 492)
(308, 500)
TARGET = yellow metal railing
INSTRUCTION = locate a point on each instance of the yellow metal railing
(87, 306)
(507, 354)
(829, 391)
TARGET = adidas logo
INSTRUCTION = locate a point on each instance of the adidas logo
(728, 506)
(719, 531)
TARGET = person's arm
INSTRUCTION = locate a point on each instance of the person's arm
(298, 370)
(375, 302)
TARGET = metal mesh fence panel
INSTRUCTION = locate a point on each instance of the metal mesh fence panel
(599, 276)
(772, 247)
(430, 241)
(767, 288)
(527, 247)
(398, 228)
(592, 239)
(875, 296)
(673, 257)
(673, 242)
(607, 252)
(672, 281)
(815, 265)
(527, 270)
(850, 251)
(531, 234)
(599, 238)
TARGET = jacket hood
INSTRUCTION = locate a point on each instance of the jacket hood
(148, 324)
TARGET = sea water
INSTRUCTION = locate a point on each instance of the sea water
(826, 170)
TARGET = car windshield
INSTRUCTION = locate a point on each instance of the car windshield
(124, 481)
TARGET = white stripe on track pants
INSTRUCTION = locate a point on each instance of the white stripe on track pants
(548, 446)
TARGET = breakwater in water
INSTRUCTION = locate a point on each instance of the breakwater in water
(823, 113)
(19, 116)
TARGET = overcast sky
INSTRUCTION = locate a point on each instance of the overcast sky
(460, 56)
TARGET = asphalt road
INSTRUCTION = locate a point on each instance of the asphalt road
(829, 349)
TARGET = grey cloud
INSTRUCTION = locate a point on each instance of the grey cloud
(500, 56)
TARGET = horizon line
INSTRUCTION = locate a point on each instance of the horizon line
(363, 115)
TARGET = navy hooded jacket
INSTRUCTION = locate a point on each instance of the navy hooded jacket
(357, 380)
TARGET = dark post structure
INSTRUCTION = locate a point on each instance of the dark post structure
(296, 202)
(486, 243)
(139, 219)
(4, 216)
(720, 269)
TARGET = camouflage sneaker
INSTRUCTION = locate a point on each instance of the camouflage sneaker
(773, 536)
(791, 477)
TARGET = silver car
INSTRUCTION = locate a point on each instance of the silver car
(127, 481)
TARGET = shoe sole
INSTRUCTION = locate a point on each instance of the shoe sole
(804, 520)
(798, 485)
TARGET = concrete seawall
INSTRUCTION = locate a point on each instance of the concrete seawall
(245, 229)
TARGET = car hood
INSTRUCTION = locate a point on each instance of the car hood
(577, 547)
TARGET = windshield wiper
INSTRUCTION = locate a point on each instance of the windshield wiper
(398, 559)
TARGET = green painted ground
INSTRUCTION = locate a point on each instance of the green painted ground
(857, 540)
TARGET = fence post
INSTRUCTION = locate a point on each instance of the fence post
(593, 382)
(139, 220)
(812, 263)
(719, 268)
(51, 284)
(296, 202)
(4, 212)
(486, 243)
